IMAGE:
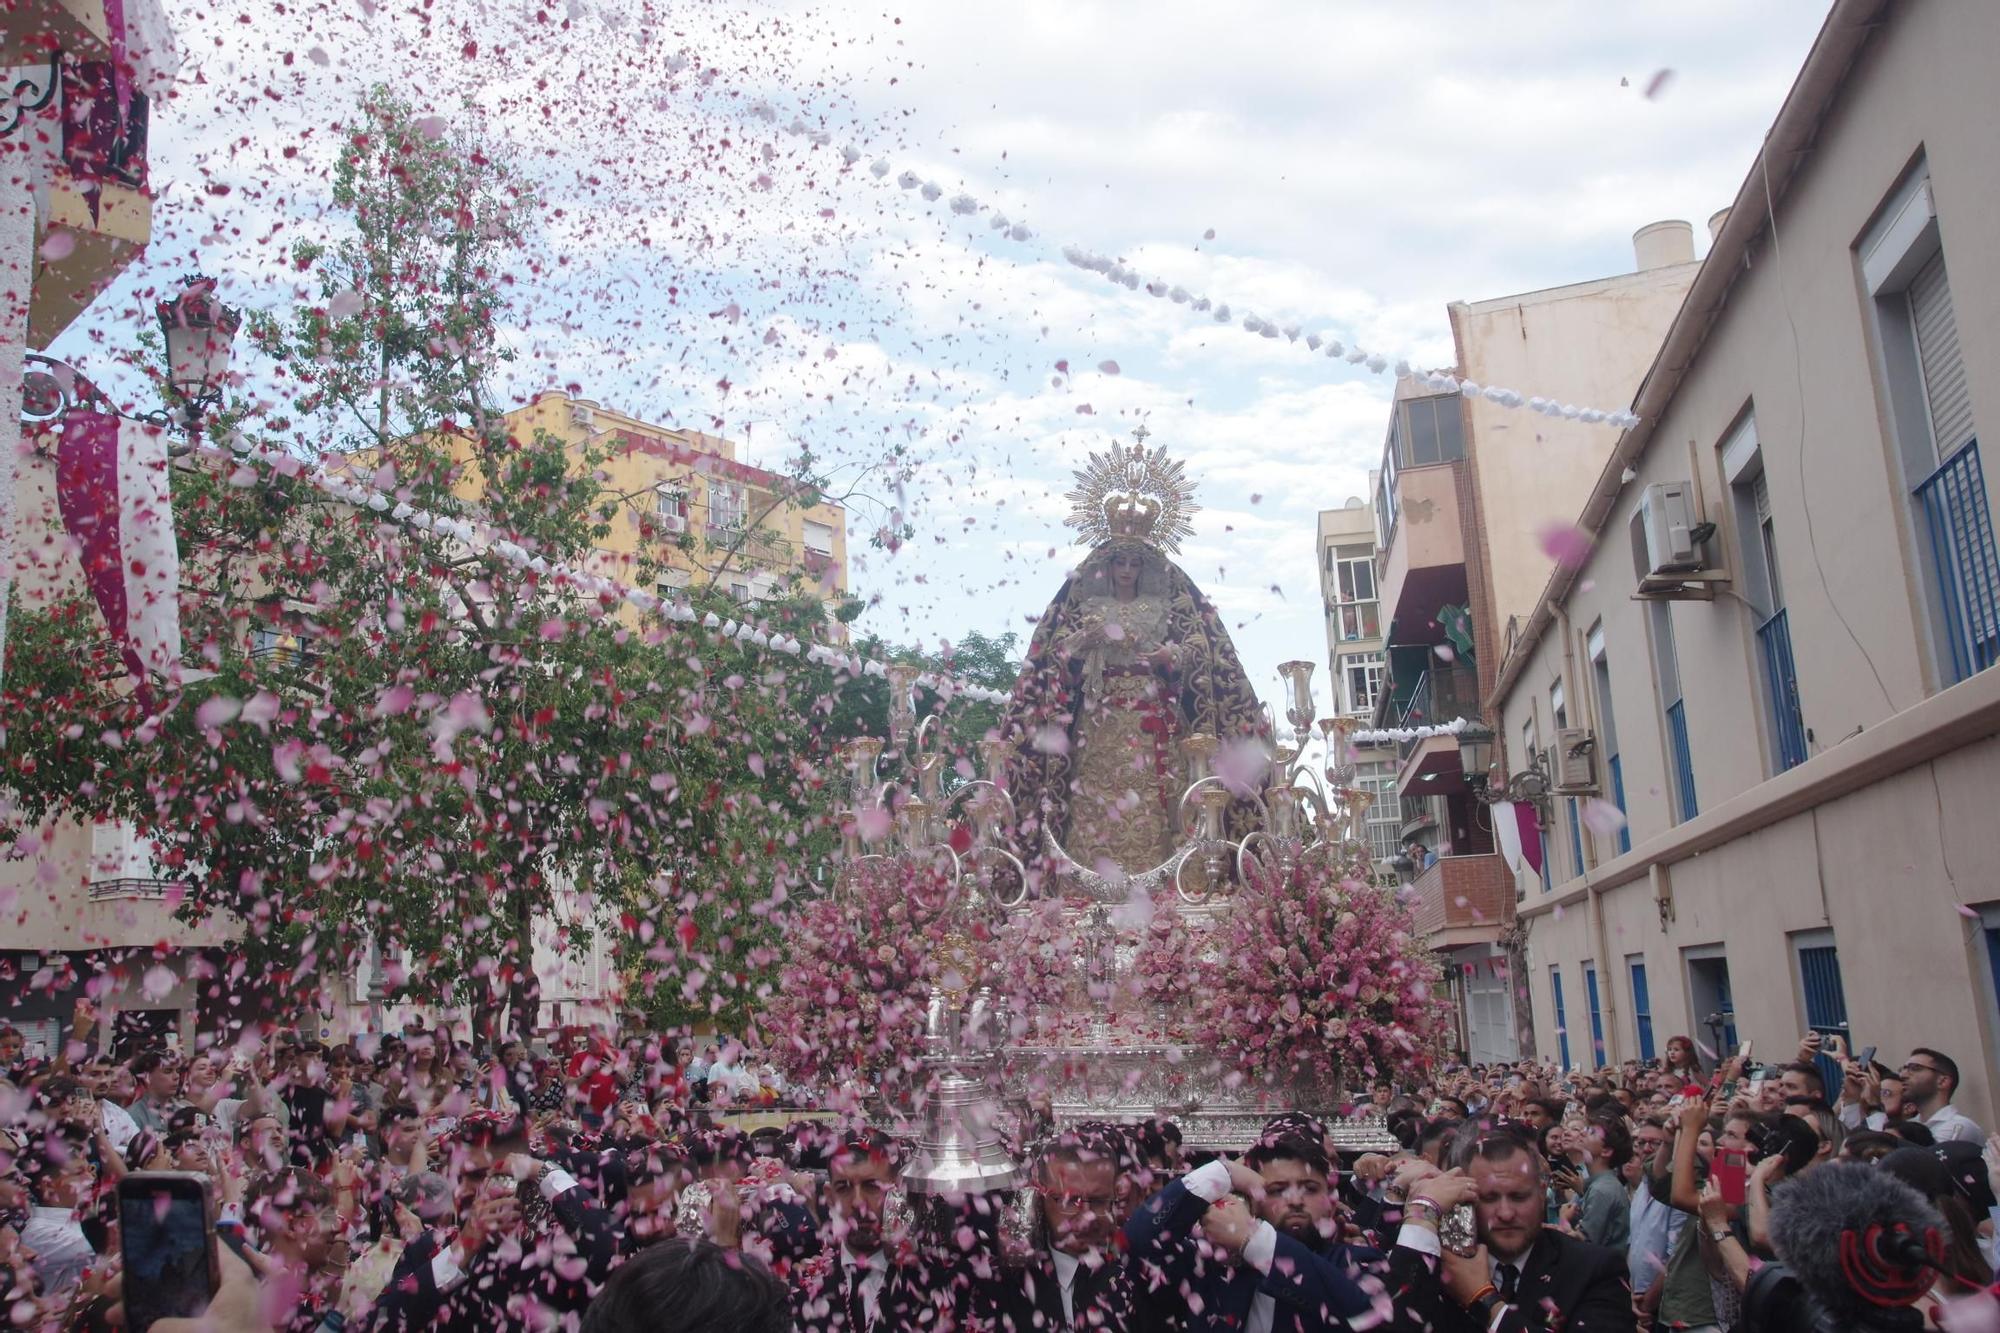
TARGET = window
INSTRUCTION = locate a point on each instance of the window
(1529, 749)
(1667, 680)
(1596, 1016)
(1930, 404)
(1356, 611)
(1708, 991)
(725, 506)
(1607, 727)
(818, 537)
(1825, 998)
(1750, 506)
(1385, 813)
(1558, 707)
(740, 591)
(671, 501)
(1562, 1019)
(1431, 430)
(1364, 673)
(1642, 1005)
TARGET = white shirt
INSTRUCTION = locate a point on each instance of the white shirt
(1066, 1266)
(61, 1252)
(1948, 1124)
(874, 1270)
(1211, 1184)
(119, 1126)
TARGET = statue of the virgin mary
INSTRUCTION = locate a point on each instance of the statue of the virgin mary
(1129, 660)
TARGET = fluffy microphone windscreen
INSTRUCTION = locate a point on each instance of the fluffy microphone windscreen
(1810, 1213)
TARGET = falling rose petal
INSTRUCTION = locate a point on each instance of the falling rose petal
(1085, 410)
(1063, 366)
(216, 711)
(396, 699)
(431, 127)
(1602, 817)
(1967, 912)
(261, 709)
(1445, 652)
(60, 245)
(873, 824)
(756, 764)
(345, 304)
(1656, 87)
(1564, 543)
(1208, 235)
(158, 983)
(1108, 367)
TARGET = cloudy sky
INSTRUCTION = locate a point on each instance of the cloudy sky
(1347, 167)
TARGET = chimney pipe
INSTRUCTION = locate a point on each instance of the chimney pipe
(1715, 221)
(1663, 244)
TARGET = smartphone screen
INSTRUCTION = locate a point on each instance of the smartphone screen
(1732, 1167)
(166, 1222)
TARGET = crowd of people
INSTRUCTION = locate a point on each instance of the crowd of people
(608, 1186)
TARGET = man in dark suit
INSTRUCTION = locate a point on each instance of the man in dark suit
(1075, 1279)
(864, 1280)
(1277, 1269)
(1521, 1277)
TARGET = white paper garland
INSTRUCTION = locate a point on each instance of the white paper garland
(1333, 348)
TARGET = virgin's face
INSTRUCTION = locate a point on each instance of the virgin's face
(1125, 568)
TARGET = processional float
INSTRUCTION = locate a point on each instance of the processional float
(1223, 812)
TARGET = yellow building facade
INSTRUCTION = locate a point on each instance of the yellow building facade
(705, 518)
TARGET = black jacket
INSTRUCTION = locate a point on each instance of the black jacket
(1565, 1284)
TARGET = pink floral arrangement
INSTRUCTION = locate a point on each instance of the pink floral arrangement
(1322, 977)
(1037, 958)
(852, 995)
(1164, 968)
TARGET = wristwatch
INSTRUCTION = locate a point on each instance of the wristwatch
(1487, 1304)
(1721, 1234)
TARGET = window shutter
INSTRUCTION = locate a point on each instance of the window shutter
(1760, 493)
(1945, 385)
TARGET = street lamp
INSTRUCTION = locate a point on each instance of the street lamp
(199, 331)
(1475, 756)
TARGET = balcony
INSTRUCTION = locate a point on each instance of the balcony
(1964, 564)
(1464, 900)
(1439, 695)
(100, 214)
(1423, 567)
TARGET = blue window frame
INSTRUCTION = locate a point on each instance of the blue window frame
(1617, 768)
(1562, 1018)
(1677, 742)
(1575, 837)
(1964, 563)
(1781, 688)
(1642, 1010)
(1596, 1017)
(1826, 1002)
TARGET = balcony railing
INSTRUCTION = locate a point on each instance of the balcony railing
(1964, 562)
(1781, 688)
(1677, 742)
(101, 889)
(1438, 696)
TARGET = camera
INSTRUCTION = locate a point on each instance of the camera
(1777, 1302)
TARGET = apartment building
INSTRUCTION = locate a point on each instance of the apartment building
(1345, 553)
(1775, 656)
(1467, 492)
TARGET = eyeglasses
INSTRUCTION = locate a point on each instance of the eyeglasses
(1908, 1065)
(1076, 1203)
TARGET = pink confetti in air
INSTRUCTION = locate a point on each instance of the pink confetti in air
(1656, 87)
(1085, 410)
(1977, 1313)
(1565, 544)
(873, 823)
(1967, 912)
(1208, 235)
(396, 699)
(1445, 652)
(217, 711)
(345, 304)
(1602, 817)
(60, 245)
(1108, 367)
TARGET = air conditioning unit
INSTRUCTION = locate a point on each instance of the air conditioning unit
(673, 523)
(1667, 513)
(1575, 760)
(580, 414)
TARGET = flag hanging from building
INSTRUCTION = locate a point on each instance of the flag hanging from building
(112, 486)
(1519, 834)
